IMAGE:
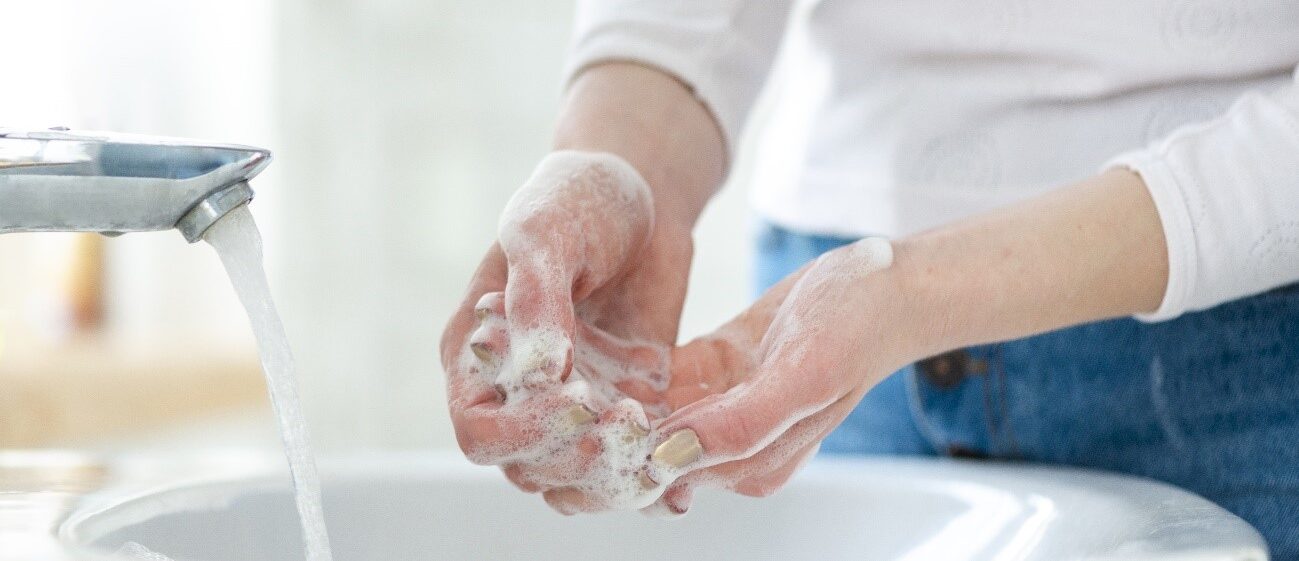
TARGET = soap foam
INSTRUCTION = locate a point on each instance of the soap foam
(622, 429)
(570, 195)
(590, 185)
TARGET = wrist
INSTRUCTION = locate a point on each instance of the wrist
(917, 315)
(656, 124)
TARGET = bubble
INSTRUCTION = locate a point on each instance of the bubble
(601, 416)
(573, 196)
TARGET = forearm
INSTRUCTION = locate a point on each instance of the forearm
(1090, 251)
(655, 123)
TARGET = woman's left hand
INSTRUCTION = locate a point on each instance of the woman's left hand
(754, 400)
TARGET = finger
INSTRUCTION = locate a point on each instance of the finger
(571, 228)
(734, 425)
(567, 501)
(539, 314)
(675, 501)
(768, 470)
(640, 370)
(468, 383)
(493, 433)
(754, 476)
(517, 475)
(766, 484)
(490, 277)
(490, 343)
(492, 303)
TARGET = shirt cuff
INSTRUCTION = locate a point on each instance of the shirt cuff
(1179, 233)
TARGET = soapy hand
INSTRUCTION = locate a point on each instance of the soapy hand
(557, 359)
(753, 401)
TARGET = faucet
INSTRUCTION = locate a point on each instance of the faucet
(59, 180)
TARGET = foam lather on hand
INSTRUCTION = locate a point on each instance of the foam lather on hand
(583, 411)
(594, 201)
(579, 216)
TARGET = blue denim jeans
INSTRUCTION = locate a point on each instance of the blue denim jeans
(1208, 401)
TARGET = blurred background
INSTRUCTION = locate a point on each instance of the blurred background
(399, 127)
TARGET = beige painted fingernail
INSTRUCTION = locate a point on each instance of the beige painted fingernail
(580, 415)
(647, 482)
(481, 314)
(482, 351)
(679, 450)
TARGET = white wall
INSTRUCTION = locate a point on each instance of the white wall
(404, 125)
(197, 68)
(400, 128)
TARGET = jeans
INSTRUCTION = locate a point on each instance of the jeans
(1208, 401)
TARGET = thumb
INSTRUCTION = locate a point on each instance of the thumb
(733, 425)
(540, 322)
(568, 230)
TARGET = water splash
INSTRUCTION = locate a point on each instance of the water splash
(238, 242)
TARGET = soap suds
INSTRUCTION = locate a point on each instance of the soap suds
(587, 211)
(617, 427)
(581, 187)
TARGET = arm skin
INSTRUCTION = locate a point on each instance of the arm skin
(813, 345)
(1086, 252)
(1090, 251)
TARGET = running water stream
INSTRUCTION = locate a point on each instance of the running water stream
(239, 244)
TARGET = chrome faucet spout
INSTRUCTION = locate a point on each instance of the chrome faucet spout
(72, 181)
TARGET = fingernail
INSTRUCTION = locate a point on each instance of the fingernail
(647, 482)
(482, 350)
(481, 314)
(580, 415)
(679, 450)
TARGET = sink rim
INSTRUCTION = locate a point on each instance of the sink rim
(1227, 536)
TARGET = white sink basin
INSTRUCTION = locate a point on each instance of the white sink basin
(419, 508)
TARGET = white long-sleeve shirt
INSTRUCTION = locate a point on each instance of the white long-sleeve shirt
(897, 115)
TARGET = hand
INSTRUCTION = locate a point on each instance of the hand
(583, 280)
(788, 370)
(757, 397)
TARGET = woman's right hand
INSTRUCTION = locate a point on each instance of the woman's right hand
(583, 276)
(589, 272)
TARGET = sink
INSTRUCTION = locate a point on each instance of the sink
(417, 507)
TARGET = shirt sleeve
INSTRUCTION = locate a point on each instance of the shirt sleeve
(723, 49)
(1227, 193)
